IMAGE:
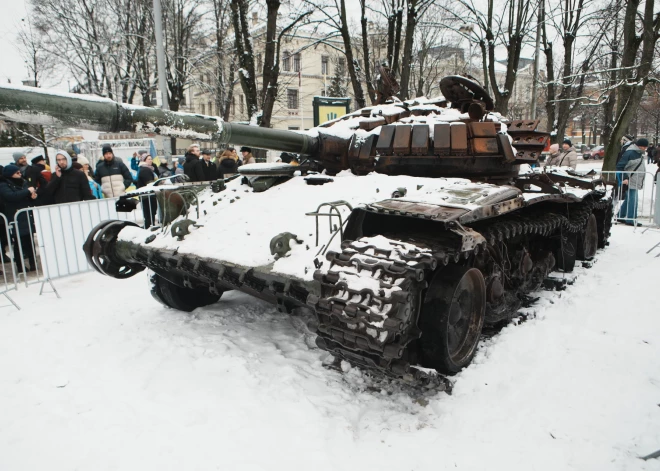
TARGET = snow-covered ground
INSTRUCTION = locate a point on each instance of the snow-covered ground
(107, 379)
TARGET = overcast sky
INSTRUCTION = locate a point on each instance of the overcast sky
(11, 65)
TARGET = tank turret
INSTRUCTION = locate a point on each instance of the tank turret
(457, 135)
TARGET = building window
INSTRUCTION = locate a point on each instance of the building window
(260, 62)
(297, 63)
(203, 109)
(324, 65)
(286, 61)
(292, 99)
(241, 103)
(322, 92)
(210, 108)
(154, 97)
(201, 79)
(341, 64)
(208, 79)
(233, 104)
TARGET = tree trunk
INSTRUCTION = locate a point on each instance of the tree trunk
(632, 90)
(350, 61)
(608, 106)
(406, 64)
(365, 52)
(246, 72)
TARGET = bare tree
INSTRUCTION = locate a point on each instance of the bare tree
(275, 32)
(636, 66)
(502, 23)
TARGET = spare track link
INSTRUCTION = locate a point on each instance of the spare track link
(369, 304)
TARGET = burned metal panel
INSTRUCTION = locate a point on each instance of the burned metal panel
(485, 129)
(354, 147)
(491, 210)
(385, 140)
(420, 139)
(416, 209)
(485, 145)
(441, 139)
(459, 140)
(372, 123)
(402, 137)
(506, 148)
(368, 149)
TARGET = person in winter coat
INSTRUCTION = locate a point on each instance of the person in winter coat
(112, 174)
(248, 158)
(552, 159)
(34, 173)
(16, 194)
(94, 187)
(193, 168)
(208, 167)
(633, 168)
(20, 160)
(179, 166)
(68, 185)
(163, 170)
(147, 174)
(227, 162)
(567, 157)
(626, 141)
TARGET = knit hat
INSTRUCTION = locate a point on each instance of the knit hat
(207, 152)
(629, 137)
(82, 160)
(554, 148)
(246, 149)
(10, 170)
(37, 159)
(642, 142)
(64, 153)
(568, 141)
(18, 155)
(141, 152)
(105, 149)
(143, 157)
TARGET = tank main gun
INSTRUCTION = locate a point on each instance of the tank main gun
(47, 108)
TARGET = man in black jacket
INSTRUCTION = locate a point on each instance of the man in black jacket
(67, 185)
(193, 168)
(33, 173)
(208, 168)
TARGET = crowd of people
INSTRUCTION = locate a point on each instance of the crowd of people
(630, 167)
(198, 164)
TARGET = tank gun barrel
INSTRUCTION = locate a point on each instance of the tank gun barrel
(47, 108)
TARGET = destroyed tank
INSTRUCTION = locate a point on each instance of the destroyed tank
(408, 227)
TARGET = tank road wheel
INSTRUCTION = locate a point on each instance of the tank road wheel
(587, 240)
(604, 220)
(451, 318)
(567, 252)
(180, 298)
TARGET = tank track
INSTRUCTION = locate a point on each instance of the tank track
(370, 294)
(369, 302)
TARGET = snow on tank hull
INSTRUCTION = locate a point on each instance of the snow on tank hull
(410, 251)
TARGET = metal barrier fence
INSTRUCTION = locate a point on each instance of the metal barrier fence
(633, 203)
(60, 231)
(5, 240)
